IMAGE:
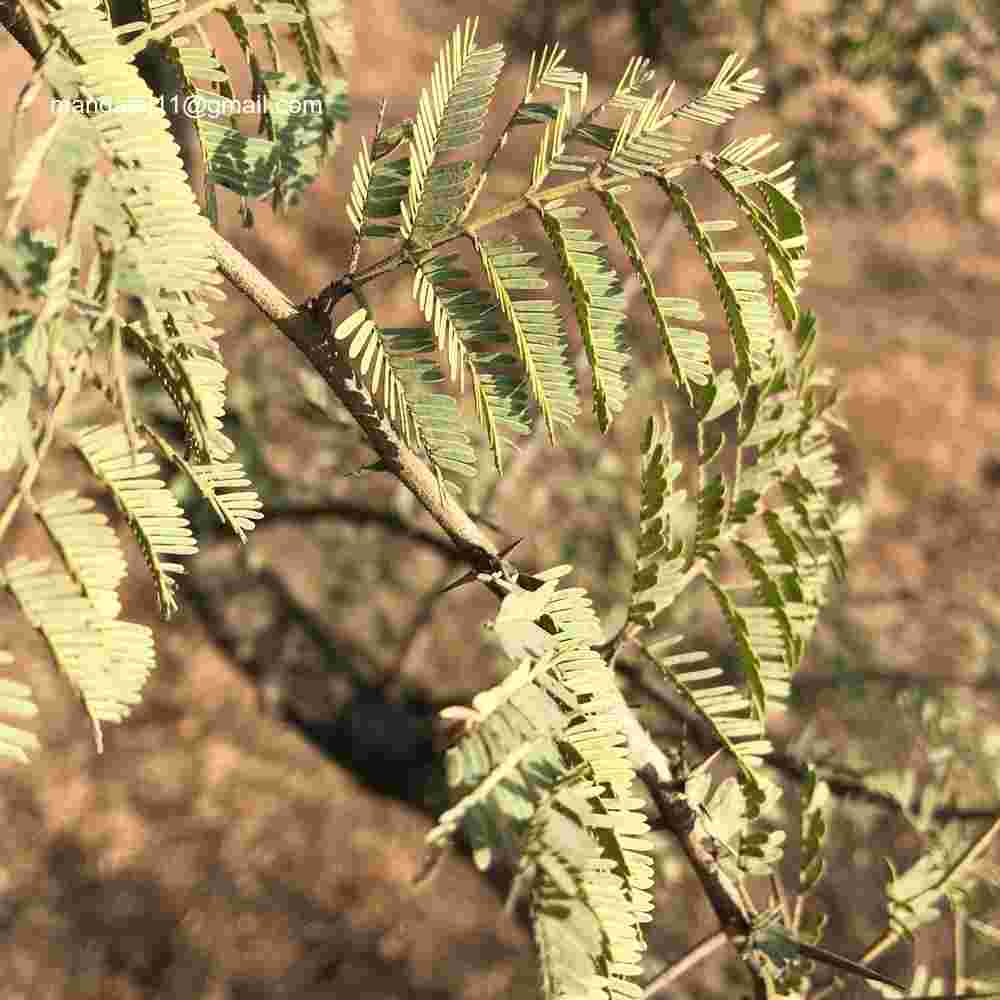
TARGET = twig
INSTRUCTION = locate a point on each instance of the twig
(30, 473)
(671, 973)
(315, 339)
(721, 891)
(891, 936)
(858, 791)
(958, 921)
(842, 786)
(17, 20)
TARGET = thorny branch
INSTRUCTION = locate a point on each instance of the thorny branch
(312, 333)
(310, 329)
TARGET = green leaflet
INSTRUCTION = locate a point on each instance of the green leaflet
(726, 710)
(248, 165)
(450, 114)
(154, 516)
(815, 802)
(387, 360)
(917, 895)
(711, 506)
(17, 701)
(89, 548)
(299, 118)
(599, 305)
(192, 373)
(659, 574)
(107, 660)
(780, 226)
(154, 244)
(730, 91)
(461, 319)
(224, 485)
(543, 772)
(637, 148)
(552, 153)
(749, 660)
(742, 294)
(537, 330)
(302, 120)
(386, 190)
(686, 350)
(549, 70)
(762, 225)
(769, 593)
(730, 816)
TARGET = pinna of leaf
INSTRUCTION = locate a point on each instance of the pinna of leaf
(780, 946)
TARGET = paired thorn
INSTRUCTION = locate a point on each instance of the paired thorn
(496, 567)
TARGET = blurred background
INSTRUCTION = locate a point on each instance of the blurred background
(252, 831)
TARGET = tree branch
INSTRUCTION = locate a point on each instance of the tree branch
(313, 336)
(857, 791)
(896, 679)
(723, 894)
(681, 820)
(310, 327)
(16, 20)
(842, 786)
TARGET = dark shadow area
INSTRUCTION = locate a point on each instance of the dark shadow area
(123, 925)
(385, 743)
(320, 684)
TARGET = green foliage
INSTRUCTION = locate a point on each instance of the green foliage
(450, 117)
(545, 777)
(133, 270)
(945, 872)
(599, 303)
(536, 328)
(150, 509)
(299, 118)
(686, 350)
(105, 659)
(527, 786)
(543, 771)
(851, 83)
(640, 147)
(428, 424)
(16, 701)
